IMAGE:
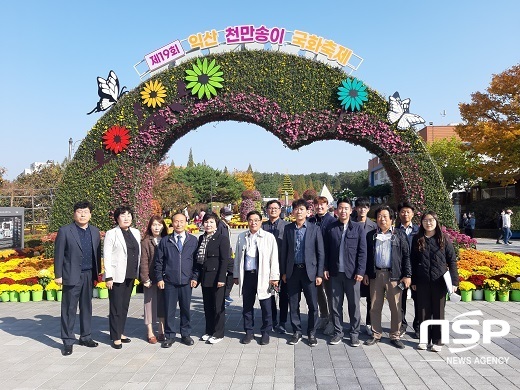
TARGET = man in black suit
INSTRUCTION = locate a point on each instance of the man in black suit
(174, 264)
(346, 257)
(276, 225)
(302, 261)
(77, 262)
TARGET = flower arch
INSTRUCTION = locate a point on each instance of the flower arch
(294, 98)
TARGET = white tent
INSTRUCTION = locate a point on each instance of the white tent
(326, 193)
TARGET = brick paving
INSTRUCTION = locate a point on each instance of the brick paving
(30, 347)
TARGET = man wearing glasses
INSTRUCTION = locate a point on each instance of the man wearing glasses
(302, 262)
(276, 225)
(256, 269)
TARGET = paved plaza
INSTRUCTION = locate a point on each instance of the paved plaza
(30, 347)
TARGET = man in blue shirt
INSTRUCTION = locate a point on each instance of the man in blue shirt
(302, 261)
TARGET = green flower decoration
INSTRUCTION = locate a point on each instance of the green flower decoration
(204, 78)
(352, 94)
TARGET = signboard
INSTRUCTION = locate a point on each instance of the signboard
(248, 36)
(164, 55)
(11, 227)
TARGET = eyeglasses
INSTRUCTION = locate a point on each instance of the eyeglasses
(254, 220)
(429, 220)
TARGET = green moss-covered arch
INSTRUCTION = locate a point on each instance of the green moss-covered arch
(292, 97)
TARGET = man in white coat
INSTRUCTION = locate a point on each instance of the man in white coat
(258, 271)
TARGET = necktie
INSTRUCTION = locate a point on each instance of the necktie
(179, 243)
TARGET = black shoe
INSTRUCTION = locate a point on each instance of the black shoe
(371, 341)
(312, 340)
(336, 339)
(125, 340)
(295, 339)
(167, 343)
(116, 346)
(397, 343)
(67, 350)
(88, 343)
(265, 339)
(417, 335)
(247, 338)
(187, 340)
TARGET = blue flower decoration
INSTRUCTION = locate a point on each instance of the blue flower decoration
(352, 94)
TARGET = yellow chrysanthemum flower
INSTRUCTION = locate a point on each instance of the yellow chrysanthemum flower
(153, 94)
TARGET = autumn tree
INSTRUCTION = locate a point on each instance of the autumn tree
(492, 127)
(455, 162)
(2, 173)
(247, 178)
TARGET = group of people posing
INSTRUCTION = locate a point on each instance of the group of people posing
(325, 257)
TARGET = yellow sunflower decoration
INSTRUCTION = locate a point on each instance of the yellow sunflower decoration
(153, 94)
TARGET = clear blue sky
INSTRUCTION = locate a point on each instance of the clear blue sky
(435, 52)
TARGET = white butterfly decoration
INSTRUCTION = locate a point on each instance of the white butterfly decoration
(108, 91)
(398, 111)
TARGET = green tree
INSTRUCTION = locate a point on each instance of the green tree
(45, 177)
(300, 184)
(190, 163)
(455, 163)
(2, 173)
(492, 127)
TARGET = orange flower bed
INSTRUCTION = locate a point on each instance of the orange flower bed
(470, 259)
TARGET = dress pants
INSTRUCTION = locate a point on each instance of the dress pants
(341, 286)
(298, 282)
(214, 310)
(172, 295)
(324, 299)
(249, 288)
(119, 297)
(431, 299)
(365, 292)
(82, 293)
(404, 298)
(283, 303)
(378, 286)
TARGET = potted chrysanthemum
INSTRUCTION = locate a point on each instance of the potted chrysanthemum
(491, 287)
(515, 292)
(503, 289)
(478, 281)
(466, 291)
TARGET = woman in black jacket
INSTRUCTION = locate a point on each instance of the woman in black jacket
(213, 256)
(432, 255)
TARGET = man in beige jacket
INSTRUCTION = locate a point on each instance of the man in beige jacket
(256, 272)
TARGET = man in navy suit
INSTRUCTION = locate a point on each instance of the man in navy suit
(77, 262)
(174, 263)
(302, 261)
(346, 257)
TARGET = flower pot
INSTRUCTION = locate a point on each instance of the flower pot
(103, 293)
(25, 296)
(95, 293)
(466, 296)
(503, 296)
(478, 295)
(515, 295)
(490, 295)
(134, 290)
(5, 296)
(50, 295)
(14, 296)
(37, 296)
(58, 295)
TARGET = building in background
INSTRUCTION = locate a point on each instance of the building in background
(36, 166)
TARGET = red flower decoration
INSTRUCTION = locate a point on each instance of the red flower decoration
(116, 139)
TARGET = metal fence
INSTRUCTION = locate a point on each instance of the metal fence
(36, 202)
